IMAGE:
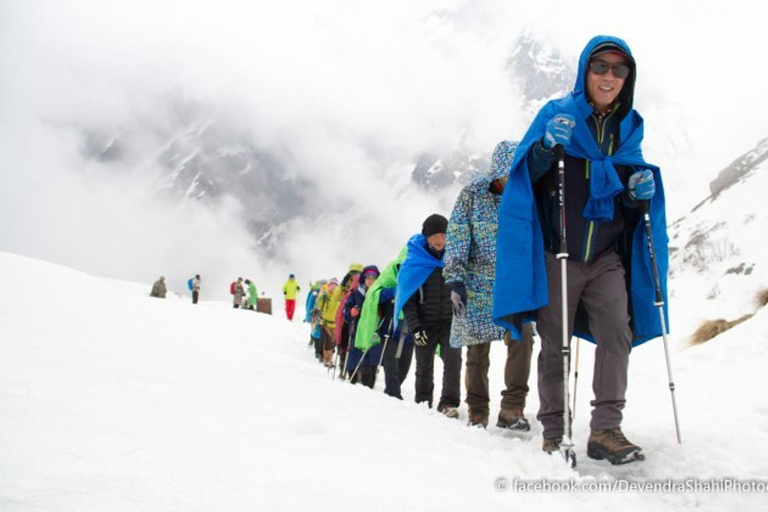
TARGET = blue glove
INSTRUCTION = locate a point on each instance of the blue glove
(559, 131)
(641, 185)
(459, 299)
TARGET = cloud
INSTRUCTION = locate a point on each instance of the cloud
(347, 94)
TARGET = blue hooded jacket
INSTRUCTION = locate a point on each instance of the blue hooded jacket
(415, 269)
(310, 305)
(521, 281)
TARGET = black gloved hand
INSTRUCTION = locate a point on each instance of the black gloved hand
(459, 299)
(420, 337)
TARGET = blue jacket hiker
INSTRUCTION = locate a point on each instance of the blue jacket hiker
(425, 299)
(315, 338)
(610, 285)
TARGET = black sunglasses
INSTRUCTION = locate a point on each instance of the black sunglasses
(601, 67)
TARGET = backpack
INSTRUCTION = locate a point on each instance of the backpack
(190, 284)
(232, 288)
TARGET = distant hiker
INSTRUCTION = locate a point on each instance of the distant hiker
(424, 298)
(343, 292)
(610, 285)
(290, 290)
(237, 300)
(158, 289)
(377, 324)
(470, 259)
(364, 360)
(316, 318)
(327, 306)
(312, 317)
(196, 283)
(253, 294)
(309, 304)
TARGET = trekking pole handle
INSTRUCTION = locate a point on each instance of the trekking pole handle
(560, 156)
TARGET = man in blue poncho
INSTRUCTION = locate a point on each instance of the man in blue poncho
(610, 288)
(425, 300)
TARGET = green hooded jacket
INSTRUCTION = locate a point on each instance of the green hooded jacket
(253, 294)
(366, 336)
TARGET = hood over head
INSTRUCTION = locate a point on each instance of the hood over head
(370, 270)
(501, 162)
(603, 44)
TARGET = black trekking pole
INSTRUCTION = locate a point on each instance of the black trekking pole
(566, 446)
(400, 343)
(575, 378)
(659, 303)
(349, 345)
(359, 364)
(383, 350)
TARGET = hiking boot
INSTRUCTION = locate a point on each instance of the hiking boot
(513, 419)
(613, 446)
(478, 419)
(551, 444)
(449, 411)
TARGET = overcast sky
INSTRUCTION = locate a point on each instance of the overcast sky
(326, 80)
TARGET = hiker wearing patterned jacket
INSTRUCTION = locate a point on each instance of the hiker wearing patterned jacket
(425, 300)
(470, 259)
(610, 292)
(239, 295)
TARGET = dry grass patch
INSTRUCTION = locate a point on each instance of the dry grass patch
(761, 298)
(711, 328)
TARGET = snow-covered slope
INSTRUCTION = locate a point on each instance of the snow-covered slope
(112, 400)
(717, 251)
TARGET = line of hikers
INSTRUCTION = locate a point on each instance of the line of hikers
(244, 292)
(496, 269)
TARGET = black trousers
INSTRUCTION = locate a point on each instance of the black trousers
(425, 368)
(396, 370)
(195, 296)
